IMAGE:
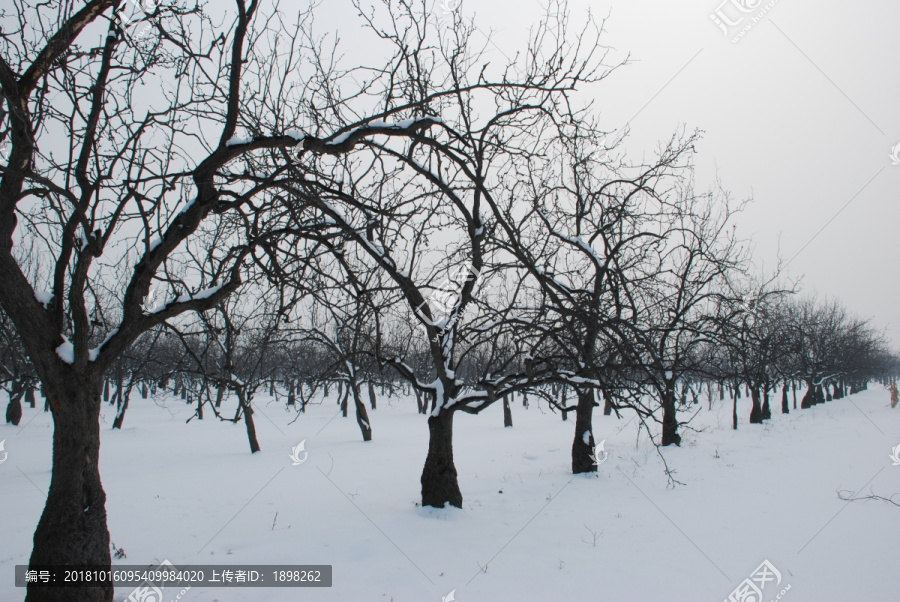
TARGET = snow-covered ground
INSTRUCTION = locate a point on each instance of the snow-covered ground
(529, 530)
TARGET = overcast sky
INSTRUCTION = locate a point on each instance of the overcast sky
(801, 114)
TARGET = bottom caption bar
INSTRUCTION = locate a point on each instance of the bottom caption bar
(167, 576)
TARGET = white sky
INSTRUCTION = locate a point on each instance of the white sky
(801, 114)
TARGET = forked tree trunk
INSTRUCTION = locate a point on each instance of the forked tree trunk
(362, 416)
(670, 420)
(72, 528)
(583, 444)
(756, 414)
(439, 482)
(507, 413)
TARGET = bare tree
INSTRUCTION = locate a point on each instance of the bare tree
(114, 185)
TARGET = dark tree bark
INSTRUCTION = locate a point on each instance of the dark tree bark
(106, 390)
(670, 434)
(14, 408)
(794, 389)
(784, 399)
(372, 400)
(248, 421)
(766, 410)
(809, 399)
(756, 414)
(562, 403)
(420, 406)
(362, 416)
(120, 413)
(29, 396)
(72, 528)
(439, 482)
(507, 413)
(583, 444)
(607, 405)
(734, 416)
(344, 401)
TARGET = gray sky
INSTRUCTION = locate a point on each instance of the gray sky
(801, 114)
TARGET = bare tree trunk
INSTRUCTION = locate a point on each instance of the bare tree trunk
(607, 404)
(248, 421)
(439, 482)
(362, 416)
(670, 421)
(562, 402)
(372, 399)
(809, 399)
(120, 412)
(784, 399)
(29, 396)
(583, 444)
(507, 413)
(343, 401)
(72, 529)
(734, 417)
(14, 408)
(756, 414)
(419, 404)
(766, 410)
(219, 395)
(794, 389)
